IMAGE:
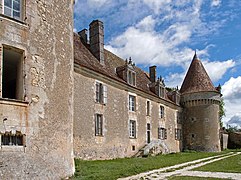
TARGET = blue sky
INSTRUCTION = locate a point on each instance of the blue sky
(167, 32)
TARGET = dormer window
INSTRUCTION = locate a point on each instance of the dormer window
(162, 92)
(131, 77)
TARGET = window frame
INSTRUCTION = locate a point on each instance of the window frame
(132, 103)
(20, 11)
(98, 124)
(162, 112)
(131, 77)
(162, 133)
(100, 93)
(148, 108)
(132, 129)
(12, 139)
(178, 134)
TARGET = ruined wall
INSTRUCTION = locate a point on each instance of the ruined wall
(45, 116)
(201, 122)
(115, 142)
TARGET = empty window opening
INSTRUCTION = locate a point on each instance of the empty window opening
(9, 139)
(133, 148)
(12, 79)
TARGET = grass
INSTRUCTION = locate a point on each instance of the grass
(114, 169)
(230, 165)
(192, 178)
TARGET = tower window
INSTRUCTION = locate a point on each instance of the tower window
(132, 103)
(132, 129)
(162, 111)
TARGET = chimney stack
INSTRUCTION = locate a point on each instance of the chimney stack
(83, 35)
(97, 40)
(152, 73)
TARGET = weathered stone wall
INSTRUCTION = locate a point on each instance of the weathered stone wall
(234, 140)
(46, 37)
(201, 122)
(115, 142)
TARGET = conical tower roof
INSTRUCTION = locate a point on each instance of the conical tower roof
(197, 79)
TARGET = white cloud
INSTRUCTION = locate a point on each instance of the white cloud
(157, 5)
(215, 2)
(216, 69)
(232, 97)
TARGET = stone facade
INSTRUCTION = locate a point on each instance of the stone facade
(36, 112)
(62, 96)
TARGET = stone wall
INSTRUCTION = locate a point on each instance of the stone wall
(45, 113)
(115, 142)
(234, 140)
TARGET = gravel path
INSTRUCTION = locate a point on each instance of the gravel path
(184, 170)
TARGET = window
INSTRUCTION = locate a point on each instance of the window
(12, 76)
(13, 8)
(131, 77)
(162, 133)
(162, 92)
(9, 139)
(148, 108)
(99, 125)
(178, 117)
(132, 129)
(132, 103)
(101, 93)
(162, 112)
(178, 134)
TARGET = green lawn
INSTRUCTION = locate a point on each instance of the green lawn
(231, 165)
(113, 169)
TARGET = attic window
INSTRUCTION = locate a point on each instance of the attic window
(12, 76)
(131, 78)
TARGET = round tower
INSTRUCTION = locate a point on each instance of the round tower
(200, 101)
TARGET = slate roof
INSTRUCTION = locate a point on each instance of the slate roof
(84, 58)
(197, 79)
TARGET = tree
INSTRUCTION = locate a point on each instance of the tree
(221, 112)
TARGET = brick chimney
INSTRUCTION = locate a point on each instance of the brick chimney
(83, 35)
(152, 73)
(97, 40)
